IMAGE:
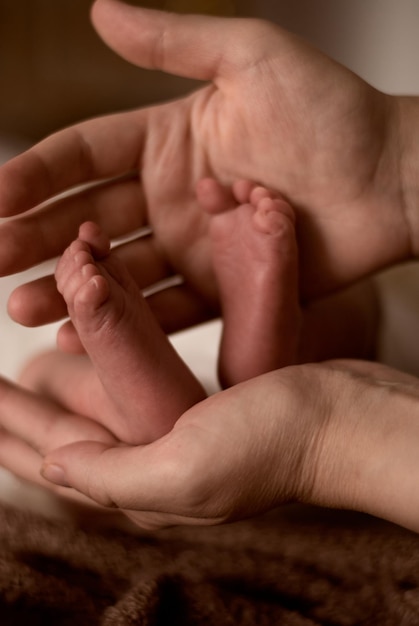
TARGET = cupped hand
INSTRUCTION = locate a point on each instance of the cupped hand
(226, 458)
(340, 434)
(274, 110)
(32, 425)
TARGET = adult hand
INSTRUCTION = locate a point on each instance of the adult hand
(275, 110)
(32, 425)
(242, 451)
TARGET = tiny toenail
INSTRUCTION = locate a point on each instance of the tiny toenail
(93, 282)
(86, 270)
(259, 193)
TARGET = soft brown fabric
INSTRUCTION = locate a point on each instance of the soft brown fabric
(288, 568)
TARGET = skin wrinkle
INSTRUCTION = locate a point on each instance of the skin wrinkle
(48, 185)
(363, 99)
(227, 65)
(368, 395)
(408, 211)
(157, 53)
(198, 117)
(251, 57)
(309, 466)
(105, 498)
(355, 194)
(312, 452)
(199, 493)
(84, 161)
(384, 125)
(188, 132)
(86, 155)
(205, 111)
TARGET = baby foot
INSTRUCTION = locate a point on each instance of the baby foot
(255, 260)
(145, 385)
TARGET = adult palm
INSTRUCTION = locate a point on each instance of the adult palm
(275, 110)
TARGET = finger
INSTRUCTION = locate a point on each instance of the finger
(175, 304)
(184, 473)
(88, 467)
(19, 458)
(195, 46)
(179, 307)
(176, 308)
(101, 148)
(56, 375)
(378, 372)
(25, 463)
(44, 234)
(108, 495)
(68, 340)
(141, 479)
(39, 302)
(41, 423)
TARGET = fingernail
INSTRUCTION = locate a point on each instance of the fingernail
(55, 474)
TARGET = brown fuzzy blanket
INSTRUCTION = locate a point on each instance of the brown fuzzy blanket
(292, 568)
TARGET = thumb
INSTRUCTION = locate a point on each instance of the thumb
(196, 46)
(124, 477)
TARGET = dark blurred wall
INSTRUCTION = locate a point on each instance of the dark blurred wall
(54, 69)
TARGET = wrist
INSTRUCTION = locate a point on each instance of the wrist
(365, 458)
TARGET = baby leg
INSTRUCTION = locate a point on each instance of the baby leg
(255, 260)
(145, 385)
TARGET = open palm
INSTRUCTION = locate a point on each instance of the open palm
(274, 110)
